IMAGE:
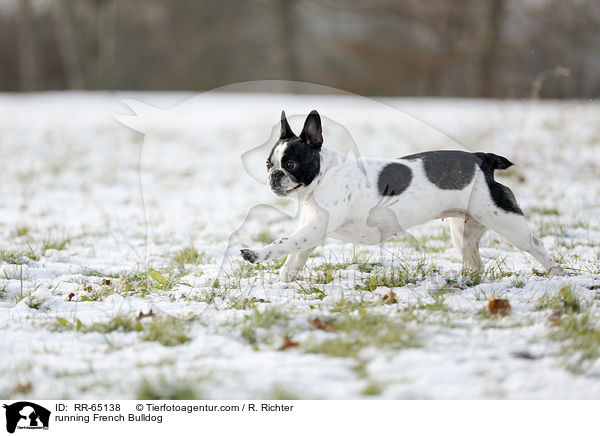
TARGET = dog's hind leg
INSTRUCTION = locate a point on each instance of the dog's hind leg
(507, 218)
(466, 233)
(515, 229)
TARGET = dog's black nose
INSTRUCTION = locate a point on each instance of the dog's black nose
(276, 177)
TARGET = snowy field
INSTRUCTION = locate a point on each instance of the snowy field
(114, 281)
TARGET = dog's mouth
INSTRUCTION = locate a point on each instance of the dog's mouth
(277, 190)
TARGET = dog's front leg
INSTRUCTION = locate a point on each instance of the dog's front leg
(304, 239)
(293, 266)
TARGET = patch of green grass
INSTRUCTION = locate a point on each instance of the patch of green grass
(543, 211)
(152, 281)
(267, 317)
(123, 323)
(35, 302)
(356, 331)
(360, 368)
(348, 306)
(280, 393)
(399, 275)
(565, 301)
(361, 259)
(328, 271)
(519, 283)
(209, 296)
(18, 256)
(21, 231)
(99, 292)
(496, 270)
(242, 303)
(436, 304)
(54, 244)
(312, 292)
(90, 272)
(550, 228)
(17, 273)
(188, 256)
(140, 283)
(323, 277)
(373, 388)
(168, 331)
(258, 325)
(579, 334)
(248, 270)
(162, 389)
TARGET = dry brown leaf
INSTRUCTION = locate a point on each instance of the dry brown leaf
(320, 325)
(329, 327)
(22, 388)
(390, 298)
(144, 315)
(499, 306)
(70, 296)
(87, 287)
(556, 317)
(106, 282)
(288, 343)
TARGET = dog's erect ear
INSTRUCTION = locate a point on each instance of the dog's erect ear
(311, 133)
(286, 130)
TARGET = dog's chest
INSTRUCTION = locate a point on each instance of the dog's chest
(356, 231)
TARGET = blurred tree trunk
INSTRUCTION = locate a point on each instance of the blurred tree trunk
(68, 43)
(106, 40)
(28, 68)
(485, 81)
(284, 45)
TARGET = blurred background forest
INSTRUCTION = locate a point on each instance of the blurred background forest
(466, 48)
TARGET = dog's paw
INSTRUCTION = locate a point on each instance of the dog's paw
(288, 275)
(249, 255)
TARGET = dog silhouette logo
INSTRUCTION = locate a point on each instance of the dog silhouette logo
(26, 415)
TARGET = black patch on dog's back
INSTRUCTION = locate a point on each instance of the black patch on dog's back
(448, 169)
(454, 169)
(393, 179)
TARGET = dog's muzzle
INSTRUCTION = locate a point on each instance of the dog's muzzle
(276, 181)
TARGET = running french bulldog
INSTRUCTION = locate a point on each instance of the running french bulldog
(367, 201)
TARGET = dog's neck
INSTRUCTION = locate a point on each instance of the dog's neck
(329, 159)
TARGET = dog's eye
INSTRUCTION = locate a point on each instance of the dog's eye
(269, 164)
(291, 165)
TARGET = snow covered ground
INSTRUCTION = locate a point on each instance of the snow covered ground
(101, 223)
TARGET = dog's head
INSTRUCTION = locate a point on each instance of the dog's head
(294, 161)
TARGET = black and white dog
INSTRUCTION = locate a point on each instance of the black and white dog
(342, 198)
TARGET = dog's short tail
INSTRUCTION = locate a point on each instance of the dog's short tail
(490, 162)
